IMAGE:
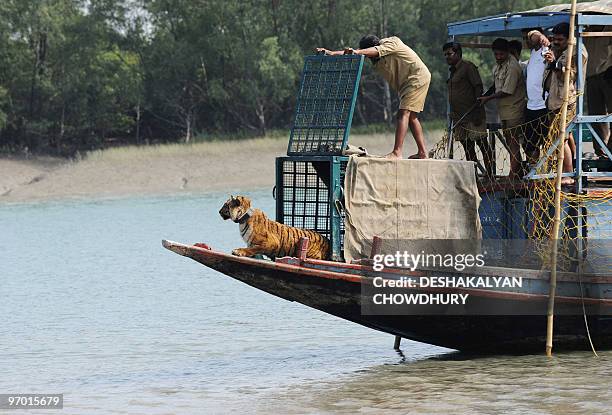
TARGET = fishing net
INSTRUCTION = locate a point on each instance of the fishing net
(523, 207)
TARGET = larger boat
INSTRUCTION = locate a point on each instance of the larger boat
(498, 318)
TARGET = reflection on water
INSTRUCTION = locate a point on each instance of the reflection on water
(94, 308)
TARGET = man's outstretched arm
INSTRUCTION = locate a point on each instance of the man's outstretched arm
(329, 52)
(369, 52)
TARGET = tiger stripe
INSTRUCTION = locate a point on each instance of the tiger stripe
(268, 237)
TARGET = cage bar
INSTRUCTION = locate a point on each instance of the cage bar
(309, 196)
(325, 104)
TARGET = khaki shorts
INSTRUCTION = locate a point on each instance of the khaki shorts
(414, 99)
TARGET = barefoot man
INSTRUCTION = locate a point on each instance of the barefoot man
(407, 75)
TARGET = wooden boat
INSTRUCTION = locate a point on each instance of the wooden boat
(338, 289)
(309, 184)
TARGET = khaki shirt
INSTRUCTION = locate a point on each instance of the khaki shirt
(400, 66)
(509, 79)
(553, 80)
(600, 53)
(464, 86)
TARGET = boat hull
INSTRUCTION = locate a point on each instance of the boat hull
(340, 294)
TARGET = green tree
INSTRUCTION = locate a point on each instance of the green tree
(78, 74)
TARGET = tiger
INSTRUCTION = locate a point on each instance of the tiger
(267, 237)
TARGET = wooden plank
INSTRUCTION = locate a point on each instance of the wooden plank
(600, 192)
(596, 34)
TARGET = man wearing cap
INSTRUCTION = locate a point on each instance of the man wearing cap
(407, 75)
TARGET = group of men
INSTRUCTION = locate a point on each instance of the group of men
(528, 94)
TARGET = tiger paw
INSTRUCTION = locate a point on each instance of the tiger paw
(239, 252)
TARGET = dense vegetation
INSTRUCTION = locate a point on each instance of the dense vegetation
(81, 74)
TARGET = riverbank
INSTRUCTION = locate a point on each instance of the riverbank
(232, 166)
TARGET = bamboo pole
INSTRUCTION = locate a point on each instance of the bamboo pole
(560, 155)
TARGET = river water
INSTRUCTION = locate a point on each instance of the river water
(93, 307)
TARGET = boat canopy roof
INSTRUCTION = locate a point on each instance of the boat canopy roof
(511, 24)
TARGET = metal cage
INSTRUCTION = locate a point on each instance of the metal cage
(309, 196)
(325, 104)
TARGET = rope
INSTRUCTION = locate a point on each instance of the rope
(584, 315)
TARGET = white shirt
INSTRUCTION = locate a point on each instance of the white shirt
(535, 75)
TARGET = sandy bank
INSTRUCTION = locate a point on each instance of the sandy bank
(159, 170)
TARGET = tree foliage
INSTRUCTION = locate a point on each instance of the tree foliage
(80, 74)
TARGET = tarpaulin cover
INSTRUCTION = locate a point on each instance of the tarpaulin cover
(399, 200)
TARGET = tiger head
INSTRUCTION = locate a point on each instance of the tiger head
(235, 208)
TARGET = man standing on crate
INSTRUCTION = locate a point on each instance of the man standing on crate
(407, 75)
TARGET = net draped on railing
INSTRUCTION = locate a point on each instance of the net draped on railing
(523, 208)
